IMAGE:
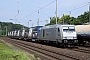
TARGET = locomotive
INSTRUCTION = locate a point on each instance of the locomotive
(62, 35)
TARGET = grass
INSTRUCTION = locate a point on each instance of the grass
(36, 55)
(7, 53)
(3, 35)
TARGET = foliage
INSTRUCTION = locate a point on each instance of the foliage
(67, 19)
(36, 55)
(53, 20)
(84, 18)
(9, 26)
(6, 53)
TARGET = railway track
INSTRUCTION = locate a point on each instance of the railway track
(57, 55)
(82, 49)
(43, 51)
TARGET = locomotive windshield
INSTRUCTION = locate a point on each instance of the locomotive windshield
(68, 28)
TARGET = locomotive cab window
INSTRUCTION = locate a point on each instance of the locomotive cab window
(71, 29)
(43, 33)
(65, 28)
(58, 30)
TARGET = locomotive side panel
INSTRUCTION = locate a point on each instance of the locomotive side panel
(48, 34)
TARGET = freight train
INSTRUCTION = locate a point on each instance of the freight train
(62, 35)
(83, 33)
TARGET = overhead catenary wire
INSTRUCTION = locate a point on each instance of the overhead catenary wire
(39, 9)
(79, 7)
(27, 5)
(48, 5)
(21, 9)
(16, 16)
(75, 9)
(17, 8)
(24, 7)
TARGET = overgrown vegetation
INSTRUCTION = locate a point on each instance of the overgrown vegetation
(6, 53)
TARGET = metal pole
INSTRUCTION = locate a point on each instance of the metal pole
(32, 24)
(89, 11)
(38, 22)
(28, 24)
(56, 11)
(6, 30)
(38, 18)
(46, 21)
(63, 19)
(17, 12)
(70, 12)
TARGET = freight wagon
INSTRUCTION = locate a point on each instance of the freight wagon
(83, 33)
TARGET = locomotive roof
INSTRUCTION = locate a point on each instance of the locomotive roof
(55, 26)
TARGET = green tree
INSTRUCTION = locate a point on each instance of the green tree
(75, 21)
(10, 27)
(66, 19)
(53, 20)
(84, 18)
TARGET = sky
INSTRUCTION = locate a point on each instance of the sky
(28, 12)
